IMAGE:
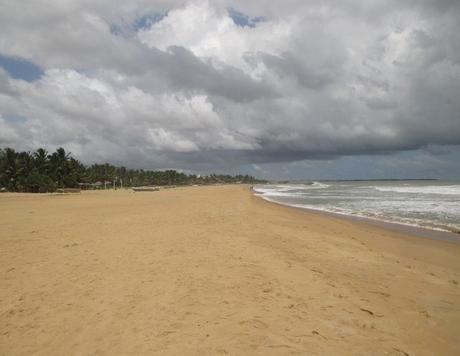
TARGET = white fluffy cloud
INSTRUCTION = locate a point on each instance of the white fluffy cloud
(189, 87)
(98, 119)
(212, 34)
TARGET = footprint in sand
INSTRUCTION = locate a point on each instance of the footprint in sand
(383, 294)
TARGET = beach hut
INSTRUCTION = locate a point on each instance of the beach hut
(98, 185)
(85, 186)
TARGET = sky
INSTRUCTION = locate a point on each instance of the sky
(291, 89)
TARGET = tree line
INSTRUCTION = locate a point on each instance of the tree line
(41, 172)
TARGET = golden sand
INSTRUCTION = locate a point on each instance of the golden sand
(215, 270)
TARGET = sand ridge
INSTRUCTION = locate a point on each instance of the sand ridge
(216, 270)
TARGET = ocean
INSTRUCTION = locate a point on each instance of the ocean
(429, 204)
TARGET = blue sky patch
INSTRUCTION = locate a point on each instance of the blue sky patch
(244, 20)
(20, 68)
(14, 118)
(140, 23)
(146, 21)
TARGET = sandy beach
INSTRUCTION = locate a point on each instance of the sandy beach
(216, 270)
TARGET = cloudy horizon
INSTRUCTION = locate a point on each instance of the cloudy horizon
(299, 90)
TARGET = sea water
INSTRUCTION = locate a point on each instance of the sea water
(430, 204)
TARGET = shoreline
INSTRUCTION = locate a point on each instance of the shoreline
(419, 231)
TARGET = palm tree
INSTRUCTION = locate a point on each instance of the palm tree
(9, 169)
(41, 161)
(39, 179)
(25, 165)
(2, 169)
(74, 172)
(58, 166)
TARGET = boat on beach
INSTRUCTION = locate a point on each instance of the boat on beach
(145, 189)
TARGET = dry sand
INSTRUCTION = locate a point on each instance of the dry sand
(215, 270)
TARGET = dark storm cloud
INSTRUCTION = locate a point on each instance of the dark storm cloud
(186, 71)
(289, 65)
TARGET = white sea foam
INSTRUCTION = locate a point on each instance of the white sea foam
(268, 189)
(374, 216)
(430, 189)
(431, 206)
(278, 194)
(319, 185)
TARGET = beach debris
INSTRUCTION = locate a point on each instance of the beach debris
(401, 351)
(425, 313)
(254, 323)
(383, 294)
(453, 281)
(314, 332)
(316, 270)
(370, 312)
(71, 245)
(367, 311)
(166, 333)
(279, 346)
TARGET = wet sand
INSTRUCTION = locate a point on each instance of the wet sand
(442, 235)
(216, 270)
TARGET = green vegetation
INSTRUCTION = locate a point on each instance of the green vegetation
(41, 172)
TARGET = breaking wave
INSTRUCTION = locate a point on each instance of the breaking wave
(431, 189)
(415, 203)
